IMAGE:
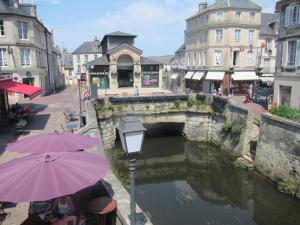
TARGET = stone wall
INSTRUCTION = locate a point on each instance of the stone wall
(111, 184)
(201, 123)
(278, 152)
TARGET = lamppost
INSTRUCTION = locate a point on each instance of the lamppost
(78, 76)
(132, 134)
(259, 73)
(230, 72)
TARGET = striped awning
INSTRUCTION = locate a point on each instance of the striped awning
(189, 75)
(174, 76)
(198, 76)
(244, 76)
(215, 76)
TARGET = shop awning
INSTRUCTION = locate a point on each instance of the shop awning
(267, 79)
(174, 76)
(244, 76)
(198, 76)
(189, 75)
(20, 88)
(215, 76)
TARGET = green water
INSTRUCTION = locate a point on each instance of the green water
(188, 183)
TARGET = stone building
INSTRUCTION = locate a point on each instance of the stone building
(287, 76)
(122, 69)
(26, 45)
(67, 68)
(219, 37)
(87, 51)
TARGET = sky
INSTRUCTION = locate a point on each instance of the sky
(159, 24)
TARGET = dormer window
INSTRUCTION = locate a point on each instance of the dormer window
(252, 15)
(220, 15)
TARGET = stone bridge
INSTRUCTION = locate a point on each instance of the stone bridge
(202, 118)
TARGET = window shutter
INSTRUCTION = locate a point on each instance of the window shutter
(298, 53)
(284, 53)
(287, 16)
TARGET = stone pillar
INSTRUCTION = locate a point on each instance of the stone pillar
(108, 132)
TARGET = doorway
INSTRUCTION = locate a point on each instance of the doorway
(28, 81)
(125, 77)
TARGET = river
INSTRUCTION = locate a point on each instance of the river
(179, 182)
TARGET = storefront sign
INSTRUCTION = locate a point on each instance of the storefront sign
(98, 73)
(6, 77)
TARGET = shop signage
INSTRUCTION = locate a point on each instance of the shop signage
(6, 77)
(98, 73)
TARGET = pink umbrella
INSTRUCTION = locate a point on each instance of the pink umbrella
(50, 175)
(52, 142)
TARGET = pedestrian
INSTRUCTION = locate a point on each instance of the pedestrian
(137, 91)
(220, 91)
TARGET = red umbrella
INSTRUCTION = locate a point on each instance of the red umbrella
(46, 176)
(52, 142)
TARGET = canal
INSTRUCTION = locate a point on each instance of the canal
(181, 182)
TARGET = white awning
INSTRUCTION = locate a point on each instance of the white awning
(215, 76)
(267, 79)
(198, 76)
(174, 76)
(268, 75)
(244, 76)
(189, 75)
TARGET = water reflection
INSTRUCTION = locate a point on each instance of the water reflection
(181, 182)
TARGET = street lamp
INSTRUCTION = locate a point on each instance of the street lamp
(78, 76)
(132, 133)
(259, 73)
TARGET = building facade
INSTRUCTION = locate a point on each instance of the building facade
(287, 76)
(122, 70)
(220, 37)
(26, 45)
(86, 52)
(67, 68)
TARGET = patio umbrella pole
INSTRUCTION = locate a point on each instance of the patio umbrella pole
(132, 190)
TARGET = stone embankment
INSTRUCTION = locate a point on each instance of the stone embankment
(224, 123)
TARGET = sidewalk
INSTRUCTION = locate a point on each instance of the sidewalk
(255, 108)
(48, 118)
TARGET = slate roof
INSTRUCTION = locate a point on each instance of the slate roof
(22, 10)
(102, 61)
(266, 19)
(238, 4)
(120, 33)
(181, 48)
(150, 61)
(5, 9)
(88, 47)
(164, 59)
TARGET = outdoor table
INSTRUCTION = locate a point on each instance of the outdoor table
(102, 206)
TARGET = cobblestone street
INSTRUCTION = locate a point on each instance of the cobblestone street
(48, 117)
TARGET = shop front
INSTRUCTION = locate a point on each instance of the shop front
(243, 82)
(194, 81)
(215, 80)
(7, 84)
(150, 76)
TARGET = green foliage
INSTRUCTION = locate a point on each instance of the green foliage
(198, 103)
(287, 186)
(102, 110)
(287, 112)
(226, 128)
(257, 121)
(177, 103)
(233, 131)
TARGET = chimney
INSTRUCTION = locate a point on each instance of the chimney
(202, 6)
